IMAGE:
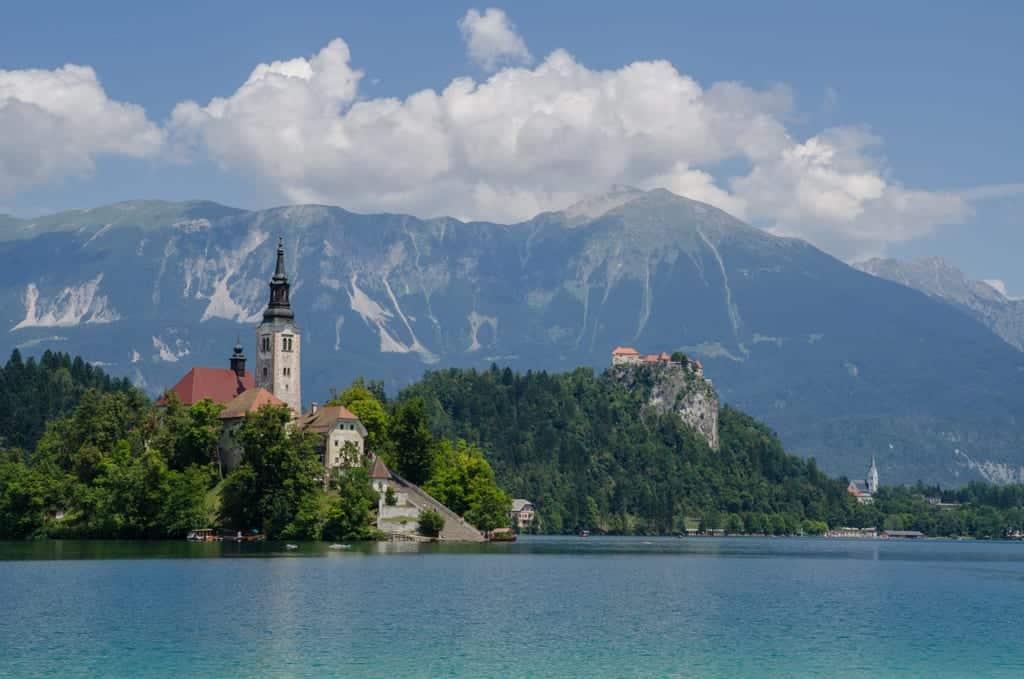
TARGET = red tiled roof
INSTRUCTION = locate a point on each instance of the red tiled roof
(324, 418)
(625, 351)
(249, 401)
(220, 385)
(663, 356)
(650, 358)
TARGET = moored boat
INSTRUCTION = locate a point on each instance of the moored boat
(201, 535)
(502, 535)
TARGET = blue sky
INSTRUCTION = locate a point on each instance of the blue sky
(892, 128)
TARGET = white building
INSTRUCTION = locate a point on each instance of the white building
(337, 426)
(522, 513)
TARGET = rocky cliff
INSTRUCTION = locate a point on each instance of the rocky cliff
(677, 388)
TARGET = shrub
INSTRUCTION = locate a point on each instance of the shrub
(431, 523)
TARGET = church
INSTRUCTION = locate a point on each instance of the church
(864, 489)
(277, 380)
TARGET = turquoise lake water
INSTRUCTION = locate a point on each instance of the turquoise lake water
(543, 607)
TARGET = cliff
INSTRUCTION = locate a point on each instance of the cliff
(676, 388)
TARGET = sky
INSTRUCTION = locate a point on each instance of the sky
(869, 128)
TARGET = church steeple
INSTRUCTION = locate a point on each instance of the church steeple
(279, 342)
(280, 305)
(872, 477)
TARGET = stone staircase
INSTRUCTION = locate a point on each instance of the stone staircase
(455, 527)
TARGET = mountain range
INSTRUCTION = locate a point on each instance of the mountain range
(938, 278)
(843, 364)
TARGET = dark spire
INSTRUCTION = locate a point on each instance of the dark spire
(279, 274)
(279, 306)
(238, 359)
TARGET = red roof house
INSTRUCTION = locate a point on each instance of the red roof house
(625, 351)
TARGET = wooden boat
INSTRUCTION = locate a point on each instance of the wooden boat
(584, 533)
(502, 535)
(291, 546)
(336, 546)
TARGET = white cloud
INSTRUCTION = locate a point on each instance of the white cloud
(492, 40)
(532, 139)
(55, 123)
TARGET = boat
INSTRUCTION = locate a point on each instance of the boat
(336, 546)
(584, 533)
(291, 546)
(502, 535)
(202, 535)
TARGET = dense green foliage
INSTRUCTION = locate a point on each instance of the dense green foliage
(103, 471)
(590, 454)
(585, 448)
(276, 488)
(34, 392)
(464, 482)
(349, 515)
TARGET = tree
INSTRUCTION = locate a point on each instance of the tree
(350, 514)
(367, 404)
(186, 506)
(430, 523)
(22, 501)
(276, 486)
(412, 441)
(189, 436)
(464, 482)
(127, 498)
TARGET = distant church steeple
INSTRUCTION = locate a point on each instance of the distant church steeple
(279, 342)
(872, 477)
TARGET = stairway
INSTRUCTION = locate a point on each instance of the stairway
(455, 527)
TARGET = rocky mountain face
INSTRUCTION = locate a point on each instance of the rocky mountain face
(678, 389)
(938, 278)
(842, 364)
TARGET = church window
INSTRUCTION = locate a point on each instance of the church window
(265, 345)
(264, 371)
(286, 344)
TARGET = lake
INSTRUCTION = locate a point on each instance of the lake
(542, 607)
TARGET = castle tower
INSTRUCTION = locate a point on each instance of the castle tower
(279, 343)
(872, 477)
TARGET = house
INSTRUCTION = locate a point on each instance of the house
(337, 427)
(232, 417)
(522, 513)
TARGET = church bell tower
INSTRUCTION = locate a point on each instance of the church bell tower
(872, 477)
(279, 343)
